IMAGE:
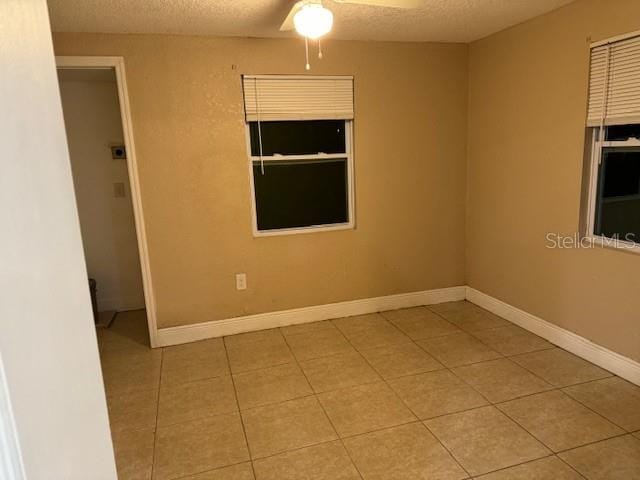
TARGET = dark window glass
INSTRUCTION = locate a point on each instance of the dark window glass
(618, 197)
(293, 194)
(622, 132)
(298, 137)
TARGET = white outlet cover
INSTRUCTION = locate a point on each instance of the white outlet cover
(241, 281)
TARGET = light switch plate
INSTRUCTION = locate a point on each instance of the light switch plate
(241, 281)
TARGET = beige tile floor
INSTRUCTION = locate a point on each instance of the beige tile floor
(443, 392)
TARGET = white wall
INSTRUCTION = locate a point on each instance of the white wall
(47, 339)
(92, 118)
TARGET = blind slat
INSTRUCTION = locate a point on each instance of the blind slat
(283, 97)
(622, 81)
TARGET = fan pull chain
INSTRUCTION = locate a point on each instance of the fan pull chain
(306, 53)
(319, 49)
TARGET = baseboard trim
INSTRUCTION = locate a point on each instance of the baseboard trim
(614, 362)
(261, 321)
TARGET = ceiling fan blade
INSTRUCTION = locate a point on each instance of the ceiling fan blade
(384, 3)
(288, 22)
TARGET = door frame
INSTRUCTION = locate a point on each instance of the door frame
(117, 63)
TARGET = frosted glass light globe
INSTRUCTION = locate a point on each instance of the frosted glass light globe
(313, 21)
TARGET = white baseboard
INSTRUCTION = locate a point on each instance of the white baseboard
(622, 366)
(261, 321)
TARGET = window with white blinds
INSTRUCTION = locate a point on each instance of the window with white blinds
(299, 97)
(614, 83)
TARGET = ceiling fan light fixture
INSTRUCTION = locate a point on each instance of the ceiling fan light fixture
(313, 21)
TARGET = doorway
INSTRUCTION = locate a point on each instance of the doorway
(104, 168)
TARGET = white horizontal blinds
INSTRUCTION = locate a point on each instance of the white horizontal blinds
(284, 97)
(614, 83)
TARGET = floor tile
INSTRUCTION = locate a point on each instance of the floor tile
(194, 361)
(136, 409)
(364, 408)
(559, 367)
(484, 440)
(133, 450)
(285, 426)
(338, 371)
(242, 471)
(475, 319)
(200, 445)
(328, 461)
(129, 332)
(448, 307)
(613, 398)
(369, 331)
(307, 328)
(549, 468)
(318, 343)
(272, 336)
(271, 385)
(437, 393)
(512, 340)
(458, 349)
(125, 372)
(253, 352)
(614, 459)
(559, 421)
(400, 359)
(419, 322)
(193, 400)
(407, 452)
(500, 380)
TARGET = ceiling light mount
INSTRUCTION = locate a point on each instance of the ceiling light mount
(313, 20)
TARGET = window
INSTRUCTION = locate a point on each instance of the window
(613, 214)
(302, 179)
(299, 137)
(616, 184)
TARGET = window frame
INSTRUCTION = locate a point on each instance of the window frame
(597, 148)
(349, 225)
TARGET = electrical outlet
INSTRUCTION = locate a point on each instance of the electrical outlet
(241, 281)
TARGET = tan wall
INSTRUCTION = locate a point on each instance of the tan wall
(527, 106)
(92, 120)
(410, 160)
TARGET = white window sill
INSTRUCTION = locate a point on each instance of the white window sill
(297, 231)
(620, 245)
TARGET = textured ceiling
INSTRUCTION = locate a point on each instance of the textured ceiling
(434, 20)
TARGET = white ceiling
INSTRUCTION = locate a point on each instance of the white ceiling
(434, 20)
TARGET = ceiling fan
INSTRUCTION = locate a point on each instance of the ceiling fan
(312, 20)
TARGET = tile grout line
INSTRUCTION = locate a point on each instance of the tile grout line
(404, 403)
(595, 442)
(570, 466)
(190, 475)
(491, 403)
(547, 446)
(591, 409)
(407, 406)
(383, 379)
(411, 340)
(235, 391)
(320, 403)
(155, 428)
